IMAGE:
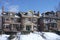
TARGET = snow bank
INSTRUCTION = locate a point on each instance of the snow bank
(39, 36)
(4, 37)
(51, 36)
(31, 36)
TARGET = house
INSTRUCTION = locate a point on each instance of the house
(49, 20)
(10, 23)
(29, 21)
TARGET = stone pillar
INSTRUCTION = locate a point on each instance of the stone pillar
(32, 27)
(24, 28)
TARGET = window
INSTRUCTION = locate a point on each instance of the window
(11, 18)
(26, 19)
(34, 20)
(35, 28)
(47, 19)
(7, 19)
(7, 26)
(15, 20)
(47, 26)
(54, 25)
(29, 19)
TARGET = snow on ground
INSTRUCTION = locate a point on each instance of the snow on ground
(51, 36)
(33, 36)
(4, 37)
(39, 36)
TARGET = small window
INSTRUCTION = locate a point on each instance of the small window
(34, 19)
(54, 25)
(7, 19)
(47, 26)
(35, 28)
(29, 19)
(6, 26)
(11, 18)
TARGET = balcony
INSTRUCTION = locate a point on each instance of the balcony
(7, 21)
(49, 16)
(50, 21)
(9, 30)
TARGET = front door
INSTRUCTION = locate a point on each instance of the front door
(28, 27)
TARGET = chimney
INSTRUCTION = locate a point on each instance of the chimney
(38, 13)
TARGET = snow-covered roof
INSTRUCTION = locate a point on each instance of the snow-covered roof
(17, 16)
(29, 16)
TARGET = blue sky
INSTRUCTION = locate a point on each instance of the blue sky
(26, 5)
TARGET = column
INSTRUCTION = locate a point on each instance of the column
(32, 27)
(24, 28)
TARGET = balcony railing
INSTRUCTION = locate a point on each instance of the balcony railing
(49, 16)
(50, 22)
(9, 30)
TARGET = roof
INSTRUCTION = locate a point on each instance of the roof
(29, 15)
(17, 16)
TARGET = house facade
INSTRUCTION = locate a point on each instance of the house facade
(29, 21)
(49, 21)
(9, 22)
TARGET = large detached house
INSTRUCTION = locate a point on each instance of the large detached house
(10, 22)
(29, 21)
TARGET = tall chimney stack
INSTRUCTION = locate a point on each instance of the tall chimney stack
(38, 13)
